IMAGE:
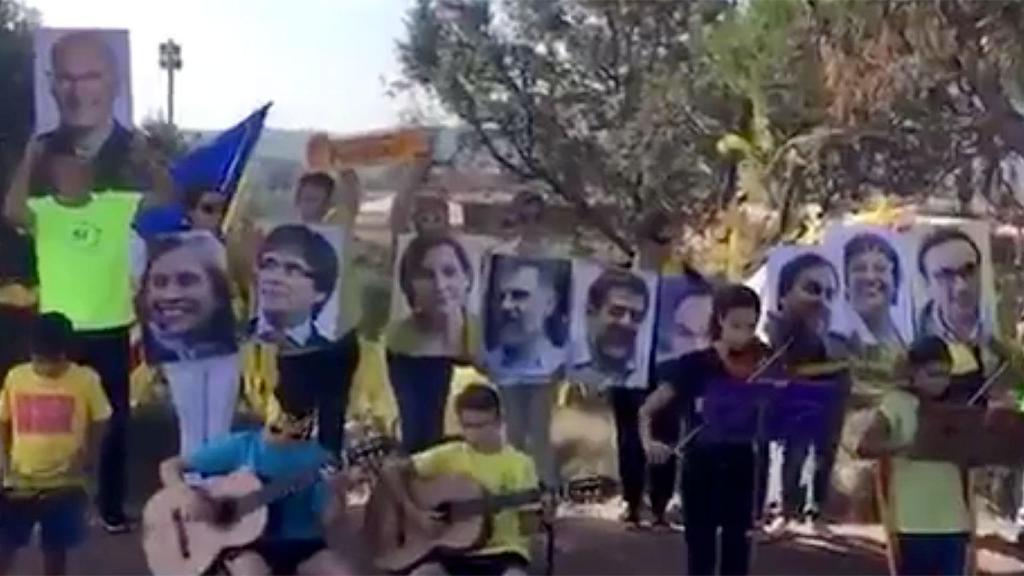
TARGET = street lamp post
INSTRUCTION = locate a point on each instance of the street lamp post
(170, 60)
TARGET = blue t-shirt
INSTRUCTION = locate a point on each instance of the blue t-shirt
(294, 517)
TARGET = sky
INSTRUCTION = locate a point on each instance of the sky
(319, 61)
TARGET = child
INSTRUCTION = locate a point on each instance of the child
(930, 514)
(719, 490)
(51, 415)
(484, 456)
(293, 541)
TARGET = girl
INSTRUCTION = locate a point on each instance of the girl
(718, 478)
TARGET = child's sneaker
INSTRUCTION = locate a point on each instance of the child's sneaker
(816, 524)
(778, 527)
(115, 524)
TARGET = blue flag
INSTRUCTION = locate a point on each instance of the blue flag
(216, 166)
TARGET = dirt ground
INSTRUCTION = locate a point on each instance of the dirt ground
(584, 545)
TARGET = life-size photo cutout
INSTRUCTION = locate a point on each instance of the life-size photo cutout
(83, 103)
(684, 316)
(184, 299)
(297, 276)
(612, 325)
(954, 285)
(876, 274)
(437, 293)
(82, 79)
(526, 318)
(801, 289)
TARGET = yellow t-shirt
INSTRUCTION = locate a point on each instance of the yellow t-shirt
(85, 259)
(500, 473)
(49, 419)
(928, 497)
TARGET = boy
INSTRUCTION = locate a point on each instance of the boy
(82, 239)
(51, 417)
(483, 456)
(293, 541)
(927, 499)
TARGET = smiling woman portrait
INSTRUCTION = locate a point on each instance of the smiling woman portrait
(185, 301)
(873, 278)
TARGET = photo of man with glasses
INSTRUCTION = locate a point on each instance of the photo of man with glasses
(296, 287)
(950, 263)
(83, 104)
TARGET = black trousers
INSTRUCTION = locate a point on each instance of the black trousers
(107, 352)
(634, 471)
(718, 488)
(327, 372)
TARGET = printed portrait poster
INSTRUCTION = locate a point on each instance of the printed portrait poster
(874, 306)
(954, 283)
(298, 285)
(184, 299)
(684, 316)
(526, 318)
(799, 296)
(612, 325)
(82, 79)
(83, 104)
(437, 293)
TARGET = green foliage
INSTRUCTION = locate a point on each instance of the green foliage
(600, 100)
(16, 108)
(697, 106)
(168, 140)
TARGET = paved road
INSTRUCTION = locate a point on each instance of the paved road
(585, 545)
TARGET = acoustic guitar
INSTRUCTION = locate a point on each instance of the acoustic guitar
(465, 512)
(176, 544)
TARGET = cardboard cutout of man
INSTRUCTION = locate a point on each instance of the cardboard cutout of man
(85, 81)
(524, 294)
(950, 262)
(296, 275)
(617, 304)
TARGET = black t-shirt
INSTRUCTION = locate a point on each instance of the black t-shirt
(689, 376)
(113, 167)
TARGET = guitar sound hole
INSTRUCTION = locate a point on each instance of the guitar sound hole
(225, 512)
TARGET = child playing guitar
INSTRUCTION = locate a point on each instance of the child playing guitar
(293, 541)
(483, 456)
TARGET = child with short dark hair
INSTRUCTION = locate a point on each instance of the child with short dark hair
(51, 417)
(927, 500)
(484, 456)
(294, 541)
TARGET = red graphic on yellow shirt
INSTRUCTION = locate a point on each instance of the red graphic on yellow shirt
(44, 413)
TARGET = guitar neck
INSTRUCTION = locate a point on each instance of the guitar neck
(273, 492)
(494, 504)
